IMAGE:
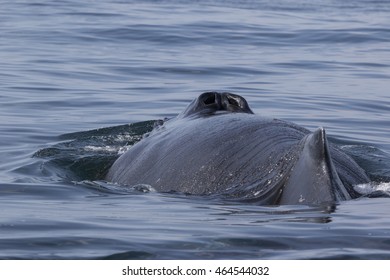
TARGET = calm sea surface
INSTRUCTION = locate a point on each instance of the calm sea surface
(70, 67)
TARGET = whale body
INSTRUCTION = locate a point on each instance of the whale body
(218, 146)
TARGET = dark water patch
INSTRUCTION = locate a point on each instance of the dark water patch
(89, 154)
(375, 161)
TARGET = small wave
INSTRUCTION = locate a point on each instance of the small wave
(112, 188)
(87, 155)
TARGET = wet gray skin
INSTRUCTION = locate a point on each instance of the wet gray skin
(217, 146)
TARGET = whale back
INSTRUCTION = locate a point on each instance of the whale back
(217, 146)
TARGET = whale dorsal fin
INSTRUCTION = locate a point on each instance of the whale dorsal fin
(313, 179)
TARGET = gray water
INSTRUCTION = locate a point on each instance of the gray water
(68, 68)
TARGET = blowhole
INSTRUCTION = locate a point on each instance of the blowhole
(233, 101)
(209, 100)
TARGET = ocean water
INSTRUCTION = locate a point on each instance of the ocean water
(75, 74)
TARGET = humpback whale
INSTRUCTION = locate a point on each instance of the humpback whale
(218, 146)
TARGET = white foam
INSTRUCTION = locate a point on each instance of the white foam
(124, 149)
(384, 187)
(100, 148)
(372, 187)
(109, 149)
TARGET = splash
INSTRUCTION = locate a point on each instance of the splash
(374, 189)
